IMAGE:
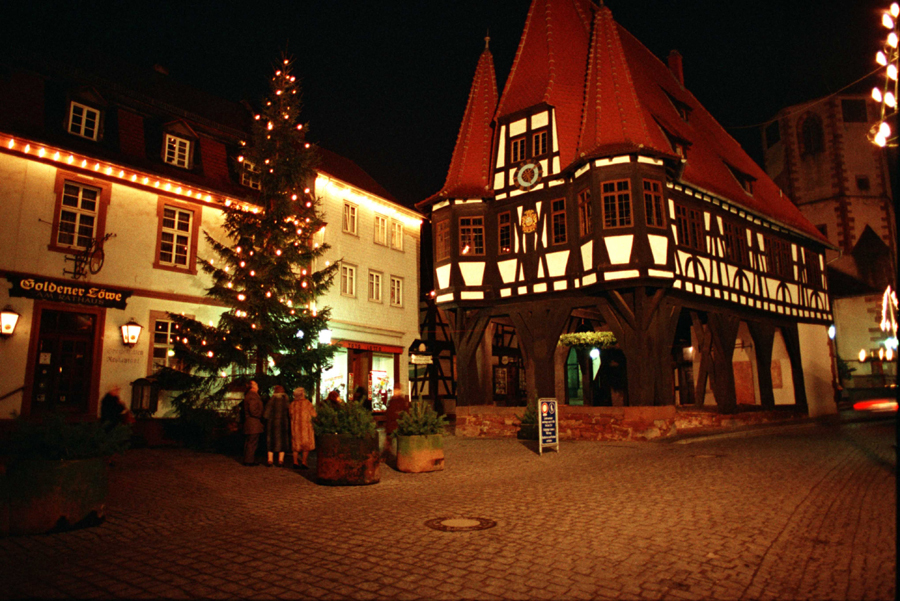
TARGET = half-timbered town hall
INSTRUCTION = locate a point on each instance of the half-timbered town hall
(596, 194)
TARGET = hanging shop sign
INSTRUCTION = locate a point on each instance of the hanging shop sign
(67, 291)
(548, 425)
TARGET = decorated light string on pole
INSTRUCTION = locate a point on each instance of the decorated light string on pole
(886, 95)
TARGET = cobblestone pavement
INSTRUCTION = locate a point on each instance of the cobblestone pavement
(798, 512)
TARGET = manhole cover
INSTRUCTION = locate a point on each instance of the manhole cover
(460, 524)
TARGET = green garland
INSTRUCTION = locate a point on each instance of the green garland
(588, 340)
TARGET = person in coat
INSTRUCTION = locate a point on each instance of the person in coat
(397, 405)
(253, 427)
(303, 438)
(278, 426)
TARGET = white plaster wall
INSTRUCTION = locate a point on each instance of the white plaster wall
(357, 318)
(816, 369)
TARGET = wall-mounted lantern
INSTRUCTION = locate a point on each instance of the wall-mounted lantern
(8, 321)
(131, 333)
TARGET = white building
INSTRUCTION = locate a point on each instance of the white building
(107, 185)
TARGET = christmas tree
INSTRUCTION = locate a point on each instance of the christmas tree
(268, 271)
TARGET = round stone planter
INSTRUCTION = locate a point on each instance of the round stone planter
(343, 460)
(420, 453)
(40, 494)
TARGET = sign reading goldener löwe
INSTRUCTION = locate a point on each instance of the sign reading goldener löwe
(67, 291)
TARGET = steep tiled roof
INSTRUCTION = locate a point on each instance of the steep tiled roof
(613, 96)
(711, 149)
(347, 171)
(613, 118)
(470, 168)
(550, 66)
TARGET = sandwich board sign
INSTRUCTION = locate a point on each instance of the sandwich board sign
(548, 425)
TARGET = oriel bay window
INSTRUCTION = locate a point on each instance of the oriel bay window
(653, 204)
(471, 235)
(179, 228)
(585, 213)
(558, 220)
(689, 228)
(617, 203)
(80, 212)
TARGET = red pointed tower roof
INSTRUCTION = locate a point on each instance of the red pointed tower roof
(470, 168)
(613, 120)
(550, 66)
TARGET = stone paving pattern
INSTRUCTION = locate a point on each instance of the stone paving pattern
(798, 512)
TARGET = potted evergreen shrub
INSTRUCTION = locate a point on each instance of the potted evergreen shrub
(528, 422)
(419, 438)
(55, 473)
(347, 451)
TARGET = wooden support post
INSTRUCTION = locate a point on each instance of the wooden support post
(792, 342)
(763, 339)
(723, 329)
(538, 328)
(468, 327)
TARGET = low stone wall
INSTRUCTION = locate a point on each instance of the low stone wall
(614, 423)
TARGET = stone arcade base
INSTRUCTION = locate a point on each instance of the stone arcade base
(616, 423)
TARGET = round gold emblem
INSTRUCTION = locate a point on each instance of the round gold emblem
(529, 221)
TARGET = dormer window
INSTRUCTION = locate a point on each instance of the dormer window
(84, 121)
(683, 109)
(250, 174)
(177, 151)
(745, 180)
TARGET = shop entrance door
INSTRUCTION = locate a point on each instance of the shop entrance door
(64, 361)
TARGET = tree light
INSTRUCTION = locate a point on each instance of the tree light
(876, 95)
(890, 100)
(895, 10)
(884, 129)
(892, 71)
(892, 40)
(887, 21)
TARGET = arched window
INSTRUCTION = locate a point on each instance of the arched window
(812, 137)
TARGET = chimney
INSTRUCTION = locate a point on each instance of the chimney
(676, 67)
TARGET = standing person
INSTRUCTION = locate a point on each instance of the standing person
(360, 396)
(397, 405)
(334, 397)
(278, 425)
(253, 410)
(303, 439)
(113, 411)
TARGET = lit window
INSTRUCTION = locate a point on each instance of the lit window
(396, 291)
(381, 230)
(77, 216)
(396, 235)
(175, 239)
(585, 213)
(250, 174)
(558, 220)
(539, 144)
(617, 203)
(349, 222)
(84, 121)
(164, 338)
(689, 228)
(375, 278)
(504, 234)
(348, 280)
(177, 151)
(471, 235)
(653, 205)
(442, 240)
(517, 150)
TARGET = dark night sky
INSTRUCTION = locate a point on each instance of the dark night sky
(385, 83)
